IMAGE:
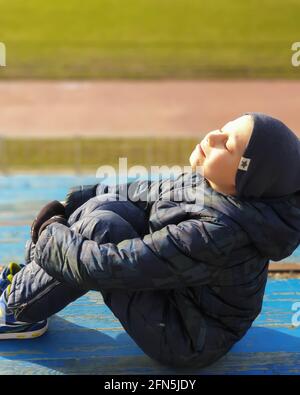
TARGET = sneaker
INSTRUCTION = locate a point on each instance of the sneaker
(7, 274)
(10, 328)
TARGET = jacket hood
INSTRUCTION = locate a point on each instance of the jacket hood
(273, 225)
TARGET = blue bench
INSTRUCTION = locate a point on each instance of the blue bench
(85, 338)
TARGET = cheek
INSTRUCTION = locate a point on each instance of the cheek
(215, 161)
(218, 168)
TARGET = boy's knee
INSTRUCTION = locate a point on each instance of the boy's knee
(110, 213)
(91, 205)
(114, 226)
(104, 226)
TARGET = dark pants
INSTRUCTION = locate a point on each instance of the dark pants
(147, 316)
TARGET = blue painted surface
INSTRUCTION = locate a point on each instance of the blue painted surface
(86, 338)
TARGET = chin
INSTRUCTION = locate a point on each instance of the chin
(193, 165)
(195, 160)
(197, 167)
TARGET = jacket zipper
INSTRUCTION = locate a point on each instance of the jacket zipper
(20, 307)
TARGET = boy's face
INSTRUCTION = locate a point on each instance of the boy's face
(222, 151)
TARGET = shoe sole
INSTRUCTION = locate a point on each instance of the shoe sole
(24, 335)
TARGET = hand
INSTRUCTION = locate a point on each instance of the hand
(54, 208)
(57, 218)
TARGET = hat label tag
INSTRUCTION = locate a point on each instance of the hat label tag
(244, 163)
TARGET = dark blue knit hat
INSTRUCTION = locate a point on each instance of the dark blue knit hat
(270, 165)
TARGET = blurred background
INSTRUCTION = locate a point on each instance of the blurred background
(86, 83)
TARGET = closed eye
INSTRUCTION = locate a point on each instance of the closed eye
(226, 141)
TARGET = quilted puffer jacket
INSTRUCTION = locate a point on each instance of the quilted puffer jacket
(213, 260)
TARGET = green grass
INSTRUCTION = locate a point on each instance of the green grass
(89, 154)
(140, 39)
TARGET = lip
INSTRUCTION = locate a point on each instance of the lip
(201, 150)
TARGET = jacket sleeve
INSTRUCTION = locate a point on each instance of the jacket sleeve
(139, 192)
(187, 254)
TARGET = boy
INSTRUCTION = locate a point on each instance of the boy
(186, 286)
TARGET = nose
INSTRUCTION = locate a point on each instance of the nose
(215, 137)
